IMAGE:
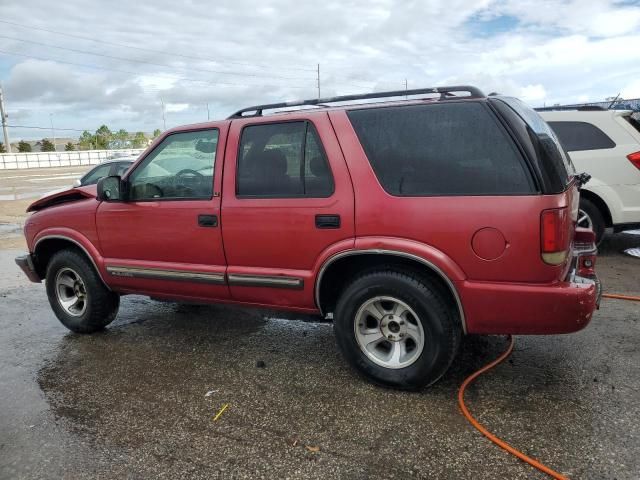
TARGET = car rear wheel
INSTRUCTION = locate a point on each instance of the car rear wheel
(396, 329)
(589, 216)
(77, 295)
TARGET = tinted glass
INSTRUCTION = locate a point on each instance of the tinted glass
(121, 168)
(282, 160)
(181, 167)
(634, 123)
(549, 150)
(577, 136)
(440, 149)
(96, 174)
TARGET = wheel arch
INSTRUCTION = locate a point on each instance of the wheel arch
(600, 204)
(338, 269)
(48, 245)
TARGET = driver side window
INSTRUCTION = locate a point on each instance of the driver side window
(181, 167)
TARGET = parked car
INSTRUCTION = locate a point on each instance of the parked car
(606, 145)
(107, 168)
(407, 222)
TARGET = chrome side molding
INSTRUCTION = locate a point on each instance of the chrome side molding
(160, 274)
(280, 281)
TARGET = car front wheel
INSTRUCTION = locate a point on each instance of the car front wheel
(396, 329)
(77, 295)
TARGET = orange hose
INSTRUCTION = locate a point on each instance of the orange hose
(487, 433)
(621, 297)
(501, 443)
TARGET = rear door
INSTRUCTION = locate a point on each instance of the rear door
(287, 199)
(165, 239)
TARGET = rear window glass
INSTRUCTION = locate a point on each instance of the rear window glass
(440, 149)
(578, 136)
(550, 151)
(634, 123)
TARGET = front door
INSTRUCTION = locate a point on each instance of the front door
(165, 239)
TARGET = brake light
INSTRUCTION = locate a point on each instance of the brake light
(554, 236)
(635, 159)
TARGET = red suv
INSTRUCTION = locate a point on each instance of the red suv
(407, 222)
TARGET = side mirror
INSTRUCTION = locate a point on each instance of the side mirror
(77, 183)
(110, 189)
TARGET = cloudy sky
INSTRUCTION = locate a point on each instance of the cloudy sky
(84, 63)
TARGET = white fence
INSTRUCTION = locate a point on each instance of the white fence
(61, 159)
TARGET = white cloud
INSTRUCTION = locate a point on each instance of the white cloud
(241, 53)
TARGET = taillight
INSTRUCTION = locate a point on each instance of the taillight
(635, 159)
(554, 235)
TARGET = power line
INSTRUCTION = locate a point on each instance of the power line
(46, 128)
(85, 52)
(184, 79)
(121, 45)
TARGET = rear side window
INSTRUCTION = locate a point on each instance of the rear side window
(578, 136)
(440, 149)
(555, 162)
(280, 160)
(634, 123)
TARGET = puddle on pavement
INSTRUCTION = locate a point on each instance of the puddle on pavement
(10, 228)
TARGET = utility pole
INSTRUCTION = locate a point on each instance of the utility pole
(164, 121)
(405, 87)
(3, 116)
(318, 81)
(208, 111)
(53, 132)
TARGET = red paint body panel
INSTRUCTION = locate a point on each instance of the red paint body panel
(528, 309)
(166, 235)
(277, 235)
(516, 292)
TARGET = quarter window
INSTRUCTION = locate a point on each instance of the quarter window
(280, 160)
(181, 167)
(579, 136)
(440, 149)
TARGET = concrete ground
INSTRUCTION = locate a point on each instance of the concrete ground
(139, 399)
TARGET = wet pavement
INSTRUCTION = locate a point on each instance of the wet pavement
(131, 402)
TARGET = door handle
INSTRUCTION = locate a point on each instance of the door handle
(327, 221)
(208, 220)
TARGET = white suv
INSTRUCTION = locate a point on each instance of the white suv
(606, 145)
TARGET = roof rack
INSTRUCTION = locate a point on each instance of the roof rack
(581, 108)
(445, 93)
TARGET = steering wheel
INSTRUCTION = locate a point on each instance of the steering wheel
(188, 171)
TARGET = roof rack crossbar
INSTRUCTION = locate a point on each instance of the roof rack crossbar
(445, 93)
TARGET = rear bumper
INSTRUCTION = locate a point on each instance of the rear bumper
(534, 309)
(564, 307)
(25, 262)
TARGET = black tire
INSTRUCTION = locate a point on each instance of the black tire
(100, 304)
(597, 219)
(439, 321)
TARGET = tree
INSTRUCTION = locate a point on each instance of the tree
(86, 141)
(24, 147)
(102, 137)
(47, 145)
(139, 140)
(157, 132)
(2, 149)
(121, 135)
(69, 147)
